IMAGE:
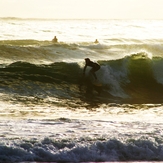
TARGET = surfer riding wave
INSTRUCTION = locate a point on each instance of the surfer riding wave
(95, 67)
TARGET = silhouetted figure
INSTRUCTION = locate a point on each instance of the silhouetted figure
(96, 41)
(55, 39)
(95, 67)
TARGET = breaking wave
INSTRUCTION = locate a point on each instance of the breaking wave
(136, 78)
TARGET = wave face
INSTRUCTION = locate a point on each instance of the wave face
(134, 78)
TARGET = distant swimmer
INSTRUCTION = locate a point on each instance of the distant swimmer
(96, 41)
(95, 67)
(55, 39)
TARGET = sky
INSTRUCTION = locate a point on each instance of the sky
(82, 9)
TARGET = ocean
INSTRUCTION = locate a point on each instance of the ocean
(49, 112)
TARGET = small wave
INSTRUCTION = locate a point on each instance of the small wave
(27, 42)
(39, 52)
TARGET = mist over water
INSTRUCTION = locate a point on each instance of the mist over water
(49, 112)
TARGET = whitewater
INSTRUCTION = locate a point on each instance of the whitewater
(49, 112)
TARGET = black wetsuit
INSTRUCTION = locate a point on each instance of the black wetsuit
(94, 65)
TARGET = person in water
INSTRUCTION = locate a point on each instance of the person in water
(95, 67)
(55, 39)
(96, 41)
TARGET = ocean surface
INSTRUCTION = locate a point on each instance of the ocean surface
(49, 112)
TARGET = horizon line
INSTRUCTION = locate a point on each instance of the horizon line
(36, 18)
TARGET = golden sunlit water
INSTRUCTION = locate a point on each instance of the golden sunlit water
(49, 112)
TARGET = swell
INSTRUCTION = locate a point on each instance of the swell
(38, 52)
(136, 79)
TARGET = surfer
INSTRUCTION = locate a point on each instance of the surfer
(96, 41)
(55, 39)
(95, 67)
